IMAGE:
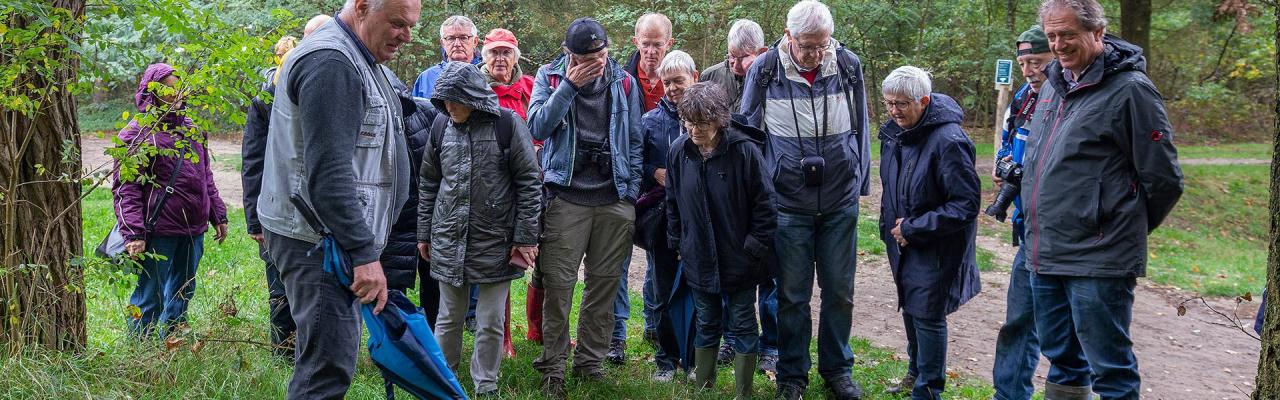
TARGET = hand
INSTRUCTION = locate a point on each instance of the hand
(257, 237)
(660, 175)
(371, 285)
(424, 250)
(528, 253)
(993, 171)
(897, 233)
(220, 233)
(586, 71)
(135, 247)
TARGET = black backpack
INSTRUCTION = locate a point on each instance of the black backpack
(505, 130)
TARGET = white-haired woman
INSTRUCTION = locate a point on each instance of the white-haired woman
(929, 219)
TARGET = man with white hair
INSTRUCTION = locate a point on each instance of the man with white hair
(1101, 173)
(458, 38)
(928, 221)
(336, 141)
(746, 42)
(807, 93)
(652, 40)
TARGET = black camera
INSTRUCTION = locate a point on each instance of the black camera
(595, 155)
(1011, 173)
(813, 167)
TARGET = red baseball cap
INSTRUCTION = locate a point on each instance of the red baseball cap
(500, 38)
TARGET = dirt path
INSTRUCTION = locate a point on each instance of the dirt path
(225, 174)
(1197, 356)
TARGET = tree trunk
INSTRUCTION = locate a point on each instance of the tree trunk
(1012, 17)
(42, 301)
(1267, 385)
(1135, 24)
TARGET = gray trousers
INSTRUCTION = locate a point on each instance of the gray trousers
(603, 236)
(327, 317)
(490, 315)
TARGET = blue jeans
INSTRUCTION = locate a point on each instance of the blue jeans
(165, 287)
(1017, 346)
(768, 319)
(622, 303)
(826, 245)
(740, 310)
(927, 350)
(1084, 331)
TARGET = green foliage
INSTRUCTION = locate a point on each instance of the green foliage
(24, 47)
(1213, 242)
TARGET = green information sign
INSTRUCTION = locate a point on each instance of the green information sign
(1004, 72)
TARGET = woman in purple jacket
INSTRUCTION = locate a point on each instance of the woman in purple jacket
(167, 206)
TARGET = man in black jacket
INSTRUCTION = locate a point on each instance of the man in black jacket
(1101, 173)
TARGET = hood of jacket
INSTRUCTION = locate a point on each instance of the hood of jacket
(1117, 56)
(143, 98)
(464, 83)
(942, 110)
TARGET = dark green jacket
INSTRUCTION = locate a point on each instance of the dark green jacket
(475, 199)
(1101, 172)
(721, 75)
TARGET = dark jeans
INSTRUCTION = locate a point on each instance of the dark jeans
(1084, 331)
(429, 293)
(768, 305)
(622, 303)
(165, 287)
(1017, 346)
(283, 328)
(328, 322)
(825, 245)
(927, 349)
(664, 267)
(741, 311)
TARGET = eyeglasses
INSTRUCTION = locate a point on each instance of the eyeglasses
(811, 49)
(901, 105)
(730, 58)
(457, 39)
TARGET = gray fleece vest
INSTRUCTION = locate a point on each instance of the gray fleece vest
(376, 162)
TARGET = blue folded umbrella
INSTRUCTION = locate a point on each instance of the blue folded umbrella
(680, 310)
(401, 343)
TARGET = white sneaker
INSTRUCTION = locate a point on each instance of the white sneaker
(664, 376)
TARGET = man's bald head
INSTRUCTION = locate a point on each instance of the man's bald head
(654, 21)
(315, 23)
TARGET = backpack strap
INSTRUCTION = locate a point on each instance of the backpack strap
(149, 224)
(437, 132)
(849, 79)
(506, 129)
(768, 71)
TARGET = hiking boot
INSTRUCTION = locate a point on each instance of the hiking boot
(588, 376)
(903, 387)
(768, 363)
(725, 355)
(470, 324)
(488, 394)
(843, 388)
(664, 375)
(553, 388)
(788, 392)
(617, 352)
(704, 368)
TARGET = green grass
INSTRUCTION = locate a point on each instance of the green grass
(1214, 241)
(1235, 150)
(987, 261)
(115, 367)
(104, 116)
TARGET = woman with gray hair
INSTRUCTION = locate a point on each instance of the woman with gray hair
(928, 220)
(716, 177)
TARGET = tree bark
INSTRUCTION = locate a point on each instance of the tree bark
(41, 291)
(1012, 17)
(1135, 24)
(1267, 385)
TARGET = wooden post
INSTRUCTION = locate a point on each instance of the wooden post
(1002, 105)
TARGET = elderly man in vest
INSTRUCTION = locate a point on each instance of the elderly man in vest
(336, 140)
(807, 94)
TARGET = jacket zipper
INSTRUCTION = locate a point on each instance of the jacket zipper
(1035, 198)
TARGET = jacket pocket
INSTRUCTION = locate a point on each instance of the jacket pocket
(373, 128)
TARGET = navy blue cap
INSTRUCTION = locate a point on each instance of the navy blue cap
(585, 36)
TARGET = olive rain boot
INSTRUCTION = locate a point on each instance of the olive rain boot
(704, 368)
(744, 367)
(1053, 391)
